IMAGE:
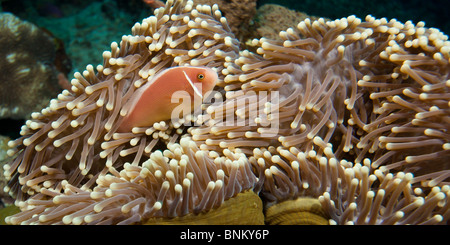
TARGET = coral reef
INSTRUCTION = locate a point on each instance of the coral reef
(239, 14)
(29, 77)
(327, 124)
(270, 19)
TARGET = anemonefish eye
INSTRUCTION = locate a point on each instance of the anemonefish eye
(200, 76)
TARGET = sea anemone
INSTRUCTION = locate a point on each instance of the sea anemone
(181, 180)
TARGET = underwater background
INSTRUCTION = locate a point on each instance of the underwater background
(73, 33)
(89, 26)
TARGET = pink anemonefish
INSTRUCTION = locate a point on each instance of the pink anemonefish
(152, 102)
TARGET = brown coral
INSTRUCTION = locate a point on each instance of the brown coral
(28, 78)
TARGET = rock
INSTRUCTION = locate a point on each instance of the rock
(28, 76)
